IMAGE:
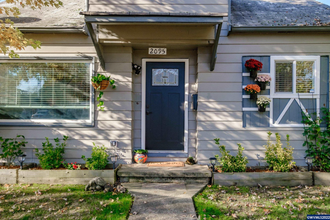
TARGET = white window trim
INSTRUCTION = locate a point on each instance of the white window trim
(186, 110)
(56, 122)
(293, 96)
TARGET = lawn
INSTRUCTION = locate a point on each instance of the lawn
(36, 201)
(219, 202)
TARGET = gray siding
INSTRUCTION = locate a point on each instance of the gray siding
(220, 106)
(115, 123)
(161, 6)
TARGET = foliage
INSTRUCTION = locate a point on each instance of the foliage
(11, 36)
(99, 159)
(51, 157)
(61, 202)
(190, 161)
(140, 151)
(263, 101)
(278, 158)
(97, 80)
(72, 166)
(11, 148)
(318, 139)
(229, 162)
(253, 64)
(263, 78)
(252, 88)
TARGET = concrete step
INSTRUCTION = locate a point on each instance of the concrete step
(142, 173)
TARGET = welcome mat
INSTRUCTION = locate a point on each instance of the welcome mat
(166, 164)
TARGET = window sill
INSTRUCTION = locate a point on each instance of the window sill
(66, 124)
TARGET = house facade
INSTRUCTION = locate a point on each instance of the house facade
(185, 48)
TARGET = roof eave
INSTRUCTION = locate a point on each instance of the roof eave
(282, 29)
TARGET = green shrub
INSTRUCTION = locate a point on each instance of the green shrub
(11, 148)
(229, 162)
(279, 159)
(318, 139)
(99, 159)
(51, 157)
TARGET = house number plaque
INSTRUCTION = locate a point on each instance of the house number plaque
(157, 51)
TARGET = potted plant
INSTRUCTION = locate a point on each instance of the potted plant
(262, 103)
(101, 82)
(253, 90)
(263, 80)
(253, 66)
(140, 156)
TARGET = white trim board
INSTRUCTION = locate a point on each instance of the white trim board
(143, 110)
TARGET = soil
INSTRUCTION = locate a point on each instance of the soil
(11, 167)
(39, 168)
(263, 170)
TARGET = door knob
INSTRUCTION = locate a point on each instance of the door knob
(148, 113)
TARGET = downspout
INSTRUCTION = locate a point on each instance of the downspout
(229, 17)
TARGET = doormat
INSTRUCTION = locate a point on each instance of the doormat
(166, 164)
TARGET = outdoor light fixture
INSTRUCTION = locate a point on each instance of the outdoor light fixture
(21, 159)
(309, 161)
(114, 159)
(136, 68)
(213, 161)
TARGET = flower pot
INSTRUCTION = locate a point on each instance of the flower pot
(262, 85)
(253, 96)
(140, 158)
(261, 108)
(102, 86)
(253, 73)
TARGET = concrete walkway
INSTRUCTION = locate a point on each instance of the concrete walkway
(163, 200)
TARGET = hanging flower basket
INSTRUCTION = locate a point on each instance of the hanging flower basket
(253, 96)
(261, 108)
(253, 66)
(263, 80)
(262, 85)
(103, 85)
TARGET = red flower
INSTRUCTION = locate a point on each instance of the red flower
(75, 166)
(253, 64)
(75, 162)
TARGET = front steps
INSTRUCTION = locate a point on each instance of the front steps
(136, 173)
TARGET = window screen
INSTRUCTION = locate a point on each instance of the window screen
(45, 91)
(283, 76)
(305, 76)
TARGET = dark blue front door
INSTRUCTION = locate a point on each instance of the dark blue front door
(165, 106)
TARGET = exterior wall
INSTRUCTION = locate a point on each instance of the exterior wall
(138, 55)
(169, 6)
(220, 92)
(115, 123)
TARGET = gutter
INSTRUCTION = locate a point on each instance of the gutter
(282, 29)
(51, 30)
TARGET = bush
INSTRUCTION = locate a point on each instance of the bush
(11, 148)
(278, 158)
(51, 157)
(99, 159)
(231, 163)
(318, 139)
(140, 151)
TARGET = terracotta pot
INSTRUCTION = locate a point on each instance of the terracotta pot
(253, 74)
(262, 85)
(253, 96)
(102, 86)
(261, 108)
(140, 158)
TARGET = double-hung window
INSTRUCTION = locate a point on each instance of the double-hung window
(46, 93)
(294, 90)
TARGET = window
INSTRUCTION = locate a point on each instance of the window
(295, 87)
(45, 92)
(165, 77)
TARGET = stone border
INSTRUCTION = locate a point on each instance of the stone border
(267, 179)
(15, 176)
(321, 178)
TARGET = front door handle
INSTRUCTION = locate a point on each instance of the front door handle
(148, 113)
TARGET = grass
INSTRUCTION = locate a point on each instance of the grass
(219, 202)
(36, 201)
